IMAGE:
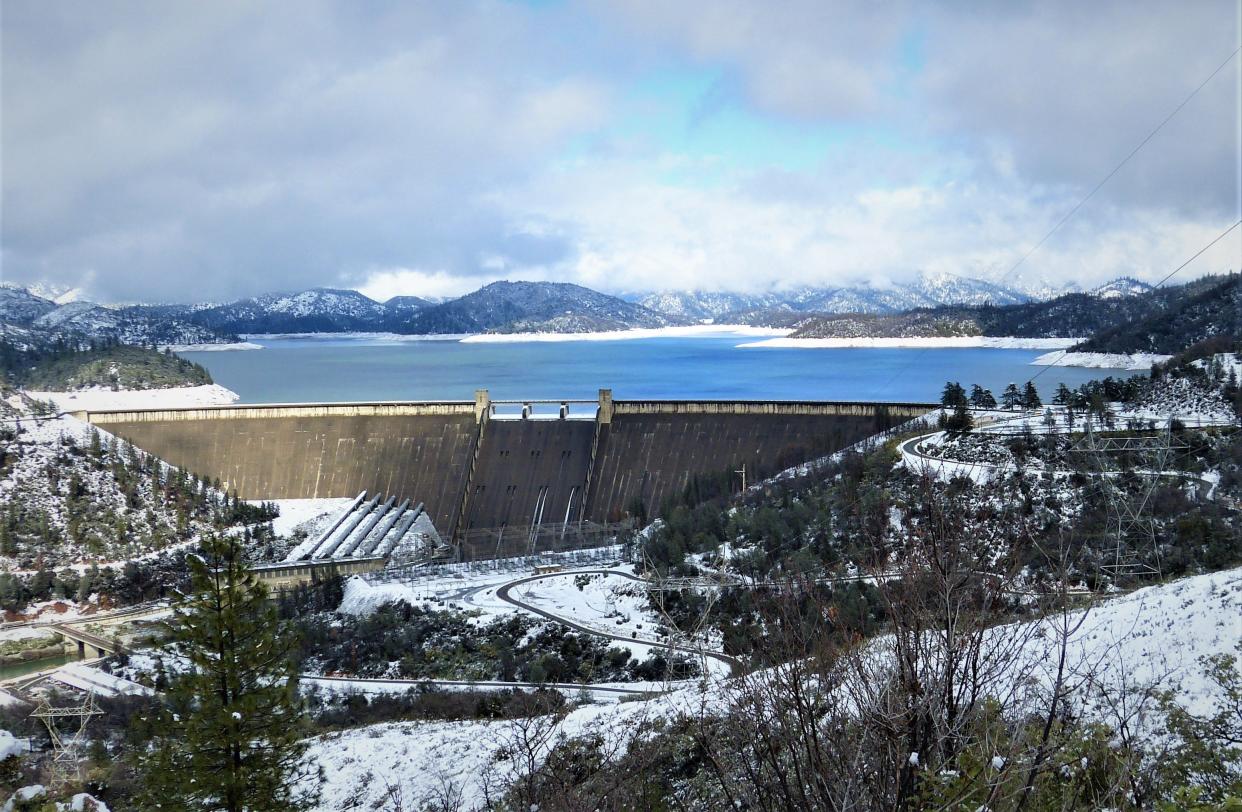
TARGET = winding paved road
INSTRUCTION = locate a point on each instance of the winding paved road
(503, 593)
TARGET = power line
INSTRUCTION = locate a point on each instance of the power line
(1091, 194)
(1167, 277)
(1118, 167)
(1220, 237)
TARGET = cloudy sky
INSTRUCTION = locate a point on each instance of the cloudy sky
(190, 151)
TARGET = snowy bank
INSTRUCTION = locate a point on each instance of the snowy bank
(309, 515)
(917, 342)
(379, 337)
(1155, 636)
(232, 346)
(691, 331)
(362, 598)
(1100, 360)
(101, 399)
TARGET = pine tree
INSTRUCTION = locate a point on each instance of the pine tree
(231, 731)
(1011, 397)
(1030, 396)
(952, 395)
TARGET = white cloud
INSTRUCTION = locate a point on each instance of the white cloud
(382, 285)
(635, 234)
(202, 151)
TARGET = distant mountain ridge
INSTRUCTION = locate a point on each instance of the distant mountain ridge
(549, 307)
(932, 304)
(1122, 319)
(505, 307)
(928, 290)
(1204, 313)
(23, 312)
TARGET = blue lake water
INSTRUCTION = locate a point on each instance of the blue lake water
(362, 369)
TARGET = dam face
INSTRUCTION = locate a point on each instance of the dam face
(473, 470)
(304, 452)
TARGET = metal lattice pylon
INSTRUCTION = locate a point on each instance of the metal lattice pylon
(1134, 551)
(65, 747)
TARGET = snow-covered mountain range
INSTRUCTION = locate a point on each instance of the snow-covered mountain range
(928, 290)
(501, 307)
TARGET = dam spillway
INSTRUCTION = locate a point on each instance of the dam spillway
(474, 468)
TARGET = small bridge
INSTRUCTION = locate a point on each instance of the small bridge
(102, 646)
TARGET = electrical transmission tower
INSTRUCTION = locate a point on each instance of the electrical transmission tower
(65, 746)
(1127, 468)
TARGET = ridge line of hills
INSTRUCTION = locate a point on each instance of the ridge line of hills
(1124, 315)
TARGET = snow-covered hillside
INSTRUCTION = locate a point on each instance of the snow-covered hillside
(20, 307)
(1154, 638)
(702, 305)
(316, 310)
(73, 495)
(74, 317)
(927, 290)
(536, 307)
(1120, 288)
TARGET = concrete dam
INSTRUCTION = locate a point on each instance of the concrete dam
(474, 467)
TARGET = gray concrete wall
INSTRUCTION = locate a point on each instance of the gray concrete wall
(424, 451)
(519, 460)
(652, 450)
(420, 451)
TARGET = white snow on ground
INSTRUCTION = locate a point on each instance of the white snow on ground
(101, 399)
(24, 633)
(1157, 636)
(939, 453)
(83, 802)
(610, 604)
(362, 598)
(469, 587)
(40, 444)
(475, 592)
(929, 342)
(24, 795)
(1154, 635)
(691, 331)
(350, 686)
(9, 746)
(310, 515)
(1228, 362)
(1100, 360)
(235, 345)
(420, 758)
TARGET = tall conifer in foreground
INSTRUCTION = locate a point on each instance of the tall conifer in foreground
(230, 735)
